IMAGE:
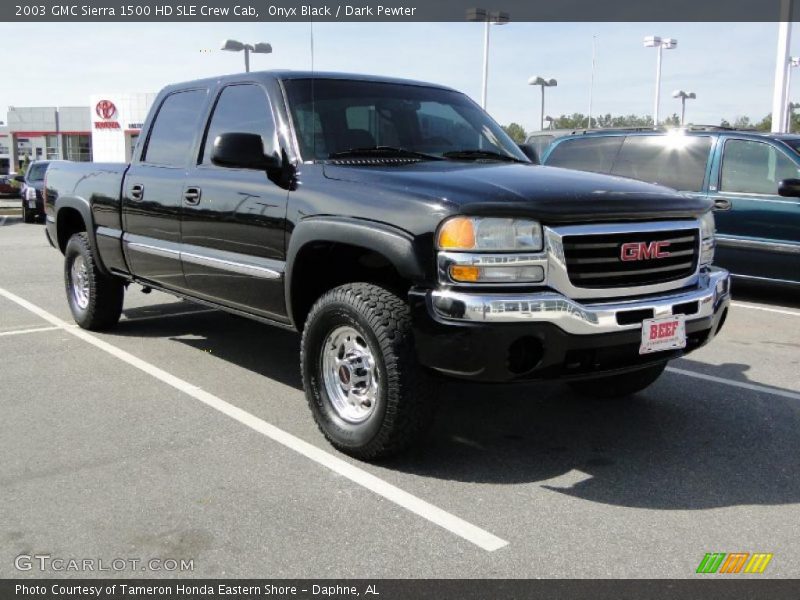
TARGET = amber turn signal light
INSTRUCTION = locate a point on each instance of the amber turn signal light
(457, 234)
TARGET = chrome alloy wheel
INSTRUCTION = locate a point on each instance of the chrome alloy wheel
(79, 278)
(350, 372)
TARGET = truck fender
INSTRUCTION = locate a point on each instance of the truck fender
(84, 209)
(394, 244)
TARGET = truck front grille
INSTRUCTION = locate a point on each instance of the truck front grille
(631, 259)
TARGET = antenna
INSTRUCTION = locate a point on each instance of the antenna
(313, 111)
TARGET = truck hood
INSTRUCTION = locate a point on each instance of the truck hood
(547, 193)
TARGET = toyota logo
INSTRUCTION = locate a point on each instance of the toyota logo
(105, 109)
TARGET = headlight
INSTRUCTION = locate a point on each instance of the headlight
(707, 243)
(30, 193)
(491, 250)
(484, 234)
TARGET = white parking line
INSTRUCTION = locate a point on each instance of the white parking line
(31, 330)
(166, 315)
(780, 311)
(740, 384)
(472, 533)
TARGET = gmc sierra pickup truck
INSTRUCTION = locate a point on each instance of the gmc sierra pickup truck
(402, 232)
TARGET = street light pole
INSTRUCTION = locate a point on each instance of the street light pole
(781, 70)
(683, 96)
(237, 46)
(485, 86)
(660, 44)
(793, 61)
(591, 84)
(544, 83)
(488, 18)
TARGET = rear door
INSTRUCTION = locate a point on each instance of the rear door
(234, 218)
(758, 231)
(152, 193)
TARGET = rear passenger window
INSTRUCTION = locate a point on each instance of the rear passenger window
(241, 109)
(594, 154)
(754, 168)
(677, 161)
(172, 134)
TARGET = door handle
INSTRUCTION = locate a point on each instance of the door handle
(191, 195)
(722, 204)
(137, 191)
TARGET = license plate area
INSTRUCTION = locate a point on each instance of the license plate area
(663, 333)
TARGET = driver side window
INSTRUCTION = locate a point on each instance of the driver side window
(752, 167)
(241, 108)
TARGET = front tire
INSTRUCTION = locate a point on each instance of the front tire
(618, 386)
(95, 299)
(28, 215)
(369, 396)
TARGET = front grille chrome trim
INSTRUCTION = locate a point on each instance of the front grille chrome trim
(558, 277)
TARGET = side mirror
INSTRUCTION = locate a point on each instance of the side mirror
(242, 151)
(20, 178)
(530, 152)
(790, 188)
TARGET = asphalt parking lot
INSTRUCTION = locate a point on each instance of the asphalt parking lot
(184, 434)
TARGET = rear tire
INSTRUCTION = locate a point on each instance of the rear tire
(369, 396)
(95, 299)
(618, 386)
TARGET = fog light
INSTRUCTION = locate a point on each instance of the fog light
(497, 274)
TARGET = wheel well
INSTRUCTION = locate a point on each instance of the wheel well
(69, 223)
(321, 266)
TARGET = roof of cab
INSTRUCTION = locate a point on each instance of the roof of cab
(689, 130)
(284, 74)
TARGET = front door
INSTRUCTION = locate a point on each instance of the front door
(233, 218)
(758, 231)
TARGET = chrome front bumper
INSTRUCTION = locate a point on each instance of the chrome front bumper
(711, 292)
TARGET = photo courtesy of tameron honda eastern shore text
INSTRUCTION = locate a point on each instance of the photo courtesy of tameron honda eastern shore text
(403, 233)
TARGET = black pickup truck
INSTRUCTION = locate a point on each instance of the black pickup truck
(402, 232)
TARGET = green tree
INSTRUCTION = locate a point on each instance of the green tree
(573, 121)
(672, 121)
(516, 132)
(766, 123)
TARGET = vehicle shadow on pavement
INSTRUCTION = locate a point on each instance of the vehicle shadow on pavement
(263, 349)
(781, 296)
(683, 443)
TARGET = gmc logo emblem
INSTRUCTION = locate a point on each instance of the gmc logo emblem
(643, 250)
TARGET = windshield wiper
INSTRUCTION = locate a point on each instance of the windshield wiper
(382, 152)
(479, 154)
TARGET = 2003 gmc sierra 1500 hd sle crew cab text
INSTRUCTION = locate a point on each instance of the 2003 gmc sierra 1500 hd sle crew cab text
(402, 232)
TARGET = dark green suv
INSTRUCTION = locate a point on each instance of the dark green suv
(753, 178)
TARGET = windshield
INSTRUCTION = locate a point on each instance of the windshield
(348, 115)
(36, 172)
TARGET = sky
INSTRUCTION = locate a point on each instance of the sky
(730, 66)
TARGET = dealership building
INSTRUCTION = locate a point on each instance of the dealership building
(104, 131)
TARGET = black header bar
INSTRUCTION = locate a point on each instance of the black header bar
(401, 10)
